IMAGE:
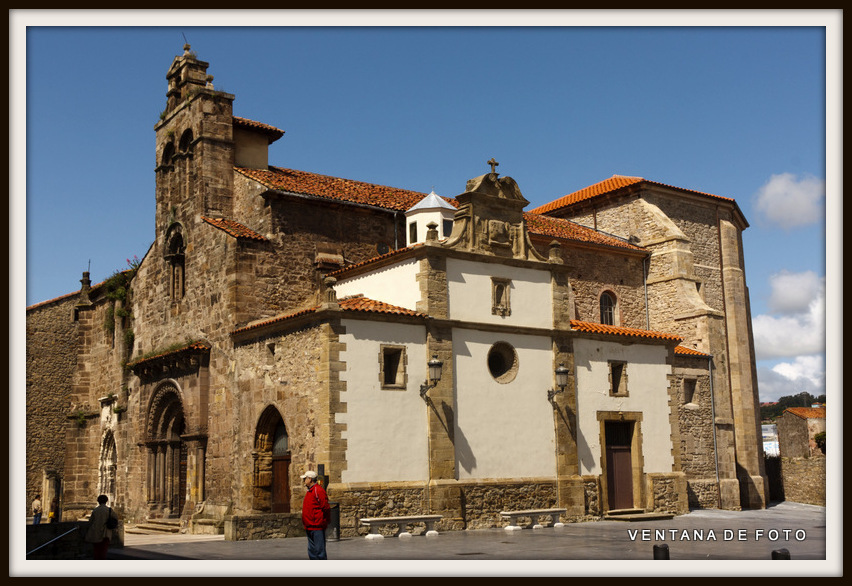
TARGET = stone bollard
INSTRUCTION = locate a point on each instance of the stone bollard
(661, 552)
(780, 554)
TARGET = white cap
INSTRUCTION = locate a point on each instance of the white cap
(309, 474)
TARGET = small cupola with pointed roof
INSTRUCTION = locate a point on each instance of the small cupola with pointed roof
(430, 209)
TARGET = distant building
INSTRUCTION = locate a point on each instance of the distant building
(797, 427)
(770, 439)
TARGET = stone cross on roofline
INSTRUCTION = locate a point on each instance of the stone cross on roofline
(493, 164)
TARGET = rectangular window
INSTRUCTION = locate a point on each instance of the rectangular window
(618, 379)
(688, 390)
(448, 228)
(392, 367)
(412, 233)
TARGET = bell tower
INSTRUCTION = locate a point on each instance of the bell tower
(194, 148)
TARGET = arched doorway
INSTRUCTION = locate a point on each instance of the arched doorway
(271, 463)
(166, 453)
(107, 463)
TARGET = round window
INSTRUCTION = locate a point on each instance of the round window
(503, 362)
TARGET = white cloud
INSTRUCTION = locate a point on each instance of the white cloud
(793, 293)
(798, 326)
(790, 201)
(785, 379)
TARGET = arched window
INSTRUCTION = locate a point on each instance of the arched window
(607, 308)
(175, 248)
(186, 141)
(168, 154)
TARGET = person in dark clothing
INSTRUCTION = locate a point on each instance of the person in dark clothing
(98, 533)
(316, 513)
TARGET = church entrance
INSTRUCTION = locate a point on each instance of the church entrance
(167, 453)
(619, 464)
(271, 463)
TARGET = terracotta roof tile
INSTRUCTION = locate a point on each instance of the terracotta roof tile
(233, 228)
(375, 259)
(274, 320)
(270, 131)
(361, 303)
(335, 188)
(604, 187)
(353, 303)
(688, 351)
(807, 412)
(392, 198)
(539, 225)
(594, 328)
(188, 346)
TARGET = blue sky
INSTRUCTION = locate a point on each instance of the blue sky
(737, 111)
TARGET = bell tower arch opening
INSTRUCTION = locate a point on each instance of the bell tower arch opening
(167, 452)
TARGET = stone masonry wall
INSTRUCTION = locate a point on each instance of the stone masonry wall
(268, 526)
(695, 420)
(286, 377)
(483, 500)
(393, 499)
(804, 480)
(591, 273)
(51, 361)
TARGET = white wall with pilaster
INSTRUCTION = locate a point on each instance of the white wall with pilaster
(503, 430)
(385, 428)
(647, 387)
(470, 283)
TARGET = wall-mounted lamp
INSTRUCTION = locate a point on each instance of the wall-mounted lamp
(434, 375)
(561, 382)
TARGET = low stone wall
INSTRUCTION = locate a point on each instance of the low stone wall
(479, 508)
(702, 493)
(359, 500)
(804, 480)
(668, 493)
(482, 500)
(263, 526)
(72, 546)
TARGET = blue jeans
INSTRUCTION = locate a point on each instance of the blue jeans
(36, 518)
(316, 544)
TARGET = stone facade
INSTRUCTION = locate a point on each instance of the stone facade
(51, 361)
(696, 288)
(219, 376)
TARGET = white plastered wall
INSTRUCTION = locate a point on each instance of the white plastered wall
(503, 430)
(385, 429)
(395, 284)
(647, 386)
(470, 283)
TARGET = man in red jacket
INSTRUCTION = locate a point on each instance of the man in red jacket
(315, 516)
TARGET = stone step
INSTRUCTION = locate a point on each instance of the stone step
(151, 526)
(640, 516)
(615, 512)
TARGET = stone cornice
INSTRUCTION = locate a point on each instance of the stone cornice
(166, 364)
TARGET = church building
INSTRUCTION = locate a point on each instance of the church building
(455, 356)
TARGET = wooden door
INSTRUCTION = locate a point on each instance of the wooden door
(281, 484)
(619, 464)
